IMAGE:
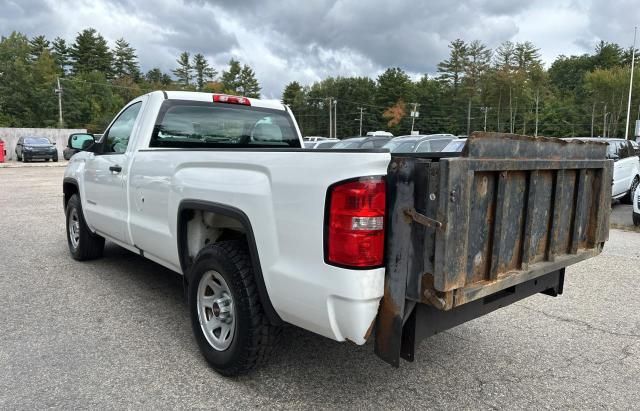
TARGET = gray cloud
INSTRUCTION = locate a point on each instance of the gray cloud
(292, 40)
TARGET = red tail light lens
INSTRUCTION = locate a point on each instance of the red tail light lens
(354, 234)
(225, 98)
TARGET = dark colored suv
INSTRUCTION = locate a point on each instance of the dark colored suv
(34, 148)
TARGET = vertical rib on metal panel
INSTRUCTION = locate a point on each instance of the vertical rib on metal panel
(578, 216)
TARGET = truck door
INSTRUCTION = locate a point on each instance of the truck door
(105, 176)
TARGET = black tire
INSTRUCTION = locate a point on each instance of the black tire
(89, 245)
(628, 198)
(254, 337)
(46, 160)
(636, 219)
(55, 159)
(24, 159)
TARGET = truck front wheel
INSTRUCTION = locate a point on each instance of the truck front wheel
(228, 320)
(83, 244)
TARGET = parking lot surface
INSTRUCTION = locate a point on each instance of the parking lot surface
(115, 333)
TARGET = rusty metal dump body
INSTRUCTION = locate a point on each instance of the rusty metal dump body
(471, 233)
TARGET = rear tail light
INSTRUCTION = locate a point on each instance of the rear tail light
(225, 98)
(354, 223)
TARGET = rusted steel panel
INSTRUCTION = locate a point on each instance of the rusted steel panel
(400, 249)
(509, 211)
(503, 216)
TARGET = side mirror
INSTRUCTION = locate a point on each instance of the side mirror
(81, 141)
(614, 157)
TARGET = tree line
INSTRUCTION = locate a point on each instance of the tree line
(96, 80)
(506, 89)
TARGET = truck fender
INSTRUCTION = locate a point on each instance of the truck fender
(240, 216)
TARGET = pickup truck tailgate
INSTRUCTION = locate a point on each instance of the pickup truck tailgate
(472, 229)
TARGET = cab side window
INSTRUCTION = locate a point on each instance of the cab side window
(116, 139)
(624, 150)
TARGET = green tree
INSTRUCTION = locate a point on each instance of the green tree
(38, 45)
(184, 71)
(204, 73)
(231, 77)
(60, 55)
(125, 60)
(15, 57)
(394, 85)
(248, 83)
(291, 93)
(90, 52)
(452, 69)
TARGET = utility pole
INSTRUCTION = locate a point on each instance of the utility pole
(330, 119)
(593, 114)
(537, 104)
(469, 118)
(413, 115)
(335, 119)
(633, 60)
(361, 122)
(58, 91)
(604, 125)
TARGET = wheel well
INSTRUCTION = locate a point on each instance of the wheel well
(202, 223)
(69, 189)
(204, 227)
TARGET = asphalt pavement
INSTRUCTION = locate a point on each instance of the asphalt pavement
(115, 333)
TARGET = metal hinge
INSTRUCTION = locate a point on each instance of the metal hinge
(421, 218)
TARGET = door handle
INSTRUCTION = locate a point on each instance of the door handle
(115, 169)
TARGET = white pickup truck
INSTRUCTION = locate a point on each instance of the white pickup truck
(349, 244)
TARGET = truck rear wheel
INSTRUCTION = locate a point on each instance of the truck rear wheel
(83, 244)
(636, 219)
(228, 320)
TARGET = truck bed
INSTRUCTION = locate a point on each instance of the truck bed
(471, 233)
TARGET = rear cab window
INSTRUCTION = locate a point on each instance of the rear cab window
(197, 124)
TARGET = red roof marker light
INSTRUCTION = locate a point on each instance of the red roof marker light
(225, 98)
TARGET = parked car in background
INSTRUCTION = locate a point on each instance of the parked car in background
(636, 147)
(77, 142)
(322, 144)
(35, 148)
(455, 146)
(316, 138)
(379, 133)
(354, 143)
(424, 143)
(626, 170)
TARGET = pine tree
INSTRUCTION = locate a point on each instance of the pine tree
(38, 45)
(125, 60)
(478, 60)
(203, 71)
(90, 52)
(291, 92)
(452, 70)
(60, 54)
(184, 72)
(230, 78)
(248, 84)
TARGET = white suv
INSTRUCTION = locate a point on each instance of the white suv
(626, 170)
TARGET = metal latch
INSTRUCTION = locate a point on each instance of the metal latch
(421, 218)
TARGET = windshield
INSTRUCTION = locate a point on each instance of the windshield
(400, 146)
(37, 141)
(347, 144)
(202, 125)
(454, 146)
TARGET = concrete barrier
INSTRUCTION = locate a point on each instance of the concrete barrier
(59, 136)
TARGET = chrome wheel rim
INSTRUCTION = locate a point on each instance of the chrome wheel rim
(216, 311)
(74, 228)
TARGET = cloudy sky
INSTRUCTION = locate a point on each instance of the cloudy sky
(307, 40)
